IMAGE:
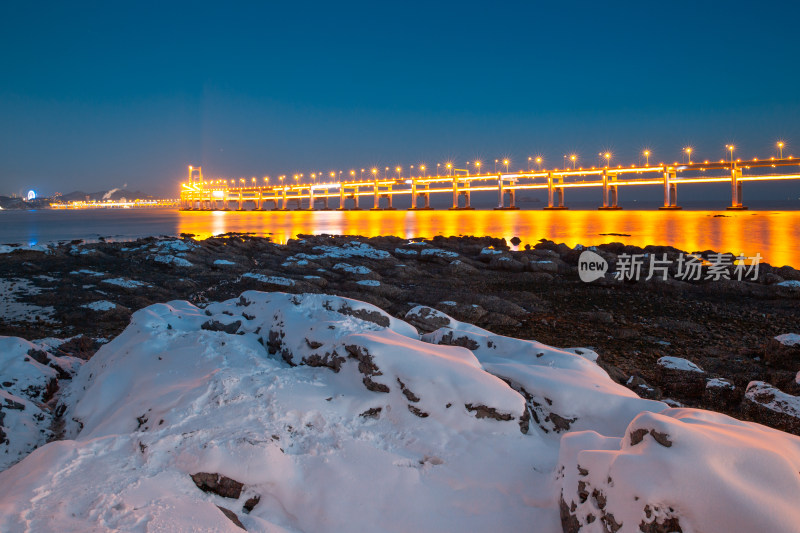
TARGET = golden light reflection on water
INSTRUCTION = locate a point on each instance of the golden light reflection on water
(773, 234)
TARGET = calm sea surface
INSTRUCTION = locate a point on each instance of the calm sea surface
(773, 234)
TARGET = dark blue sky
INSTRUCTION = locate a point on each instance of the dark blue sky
(96, 95)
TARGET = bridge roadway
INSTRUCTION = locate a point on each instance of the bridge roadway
(198, 194)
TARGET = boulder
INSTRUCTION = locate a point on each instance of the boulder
(680, 377)
(767, 405)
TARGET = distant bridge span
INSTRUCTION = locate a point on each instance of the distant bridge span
(199, 194)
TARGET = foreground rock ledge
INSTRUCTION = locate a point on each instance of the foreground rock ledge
(259, 422)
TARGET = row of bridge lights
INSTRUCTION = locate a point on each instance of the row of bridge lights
(449, 168)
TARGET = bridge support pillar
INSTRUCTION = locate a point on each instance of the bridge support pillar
(325, 204)
(500, 193)
(259, 201)
(310, 199)
(555, 194)
(609, 192)
(376, 198)
(240, 203)
(736, 190)
(284, 204)
(670, 192)
(455, 194)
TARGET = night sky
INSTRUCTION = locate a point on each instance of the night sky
(98, 95)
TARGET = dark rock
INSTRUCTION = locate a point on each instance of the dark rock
(681, 382)
(231, 516)
(426, 319)
(720, 395)
(767, 405)
(251, 503)
(218, 484)
(215, 325)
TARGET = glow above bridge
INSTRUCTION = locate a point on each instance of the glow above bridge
(198, 193)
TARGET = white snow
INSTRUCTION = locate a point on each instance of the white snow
(678, 363)
(788, 339)
(275, 280)
(792, 284)
(7, 249)
(126, 283)
(438, 252)
(101, 305)
(343, 418)
(12, 309)
(25, 421)
(358, 269)
(490, 251)
(369, 282)
(87, 272)
(404, 251)
(715, 383)
(223, 262)
(352, 249)
(710, 471)
(773, 398)
(169, 259)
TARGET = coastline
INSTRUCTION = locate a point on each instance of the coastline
(726, 327)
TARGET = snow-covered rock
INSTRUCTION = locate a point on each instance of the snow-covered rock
(788, 339)
(312, 412)
(680, 470)
(28, 380)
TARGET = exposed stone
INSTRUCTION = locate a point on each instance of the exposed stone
(231, 516)
(767, 405)
(218, 484)
(216, 325)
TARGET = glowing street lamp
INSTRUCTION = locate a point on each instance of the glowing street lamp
(688, 151)
(374, 173)
(495, 166)
(506, 162)
(730, 148)
(607, 155)
(449, 169)
(437, 169)
(646, 158)
(529, 163)
(539, 162)
(422, 168)
(780, 149)
(398, 172)
(574, 159)
(361, 176)
(353, 174)
(478, 167)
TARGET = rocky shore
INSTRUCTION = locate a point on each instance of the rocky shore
(724, 345)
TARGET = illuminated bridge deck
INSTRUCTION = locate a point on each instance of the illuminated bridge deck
(200, 194)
